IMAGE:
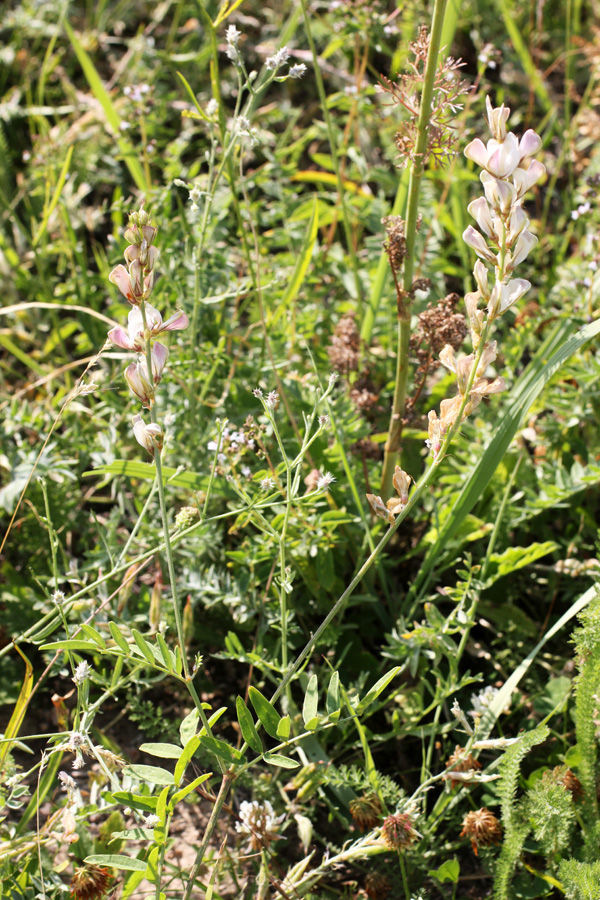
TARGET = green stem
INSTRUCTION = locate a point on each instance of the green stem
(403, 873)
(163, 510)
(210, 827)
(413, 499)
(412, 206)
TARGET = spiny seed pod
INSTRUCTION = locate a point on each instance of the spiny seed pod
(366, 811)
(482, 828)
(398, 831)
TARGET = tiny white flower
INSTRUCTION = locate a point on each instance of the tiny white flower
(278, 59)
(242, 124)
(272, 400)
(212, 445)
(297, 71)
(212, 108)
(151, 821)
(82, 673)
(325, 481)
(67, 782)
(77, 739)
(323, 421)
(232, 35)
(58, 597)
(268, 484)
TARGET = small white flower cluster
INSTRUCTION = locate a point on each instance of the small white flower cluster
(151, 820)
(136, 92)
(232, 36)
(233, 443)
(483, 699)
(273, 63)
(581, 210)
(502, 242)
(259, 822)
(82, 673)
(278, 59)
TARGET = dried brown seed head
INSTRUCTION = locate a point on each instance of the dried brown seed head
(482, 828)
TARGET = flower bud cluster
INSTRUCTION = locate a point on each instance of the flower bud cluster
(144, 323)
(502, 242)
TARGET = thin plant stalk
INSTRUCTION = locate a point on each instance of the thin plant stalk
(392, 445)
(163, 513)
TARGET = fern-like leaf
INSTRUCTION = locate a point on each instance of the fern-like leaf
(581, 881)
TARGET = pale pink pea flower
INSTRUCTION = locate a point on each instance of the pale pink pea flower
(133, 338)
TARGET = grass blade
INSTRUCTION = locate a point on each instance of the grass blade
(112, 116)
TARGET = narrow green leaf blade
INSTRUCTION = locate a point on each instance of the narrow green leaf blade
(185, 757)
(311, 700)
(117, 861)
(284, 728)
(304, 258)
(266, 712)
(152, 774)
(118, 638)
(222, 750)
(249, 732)
(135, 801)
(112, 116)
(333, 694)
(377, 689)
(93, 635)
(179, 795)
(283, 762)
(164, 751)
(71, 644)
(143, 646)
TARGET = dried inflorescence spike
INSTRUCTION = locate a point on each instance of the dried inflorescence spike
(482, 828)
(344, 351)
(447, 91)
(395, 243)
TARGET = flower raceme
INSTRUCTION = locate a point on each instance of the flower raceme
(144, 324)
(502, 241)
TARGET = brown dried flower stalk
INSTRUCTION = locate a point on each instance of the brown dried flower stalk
(447, 89)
